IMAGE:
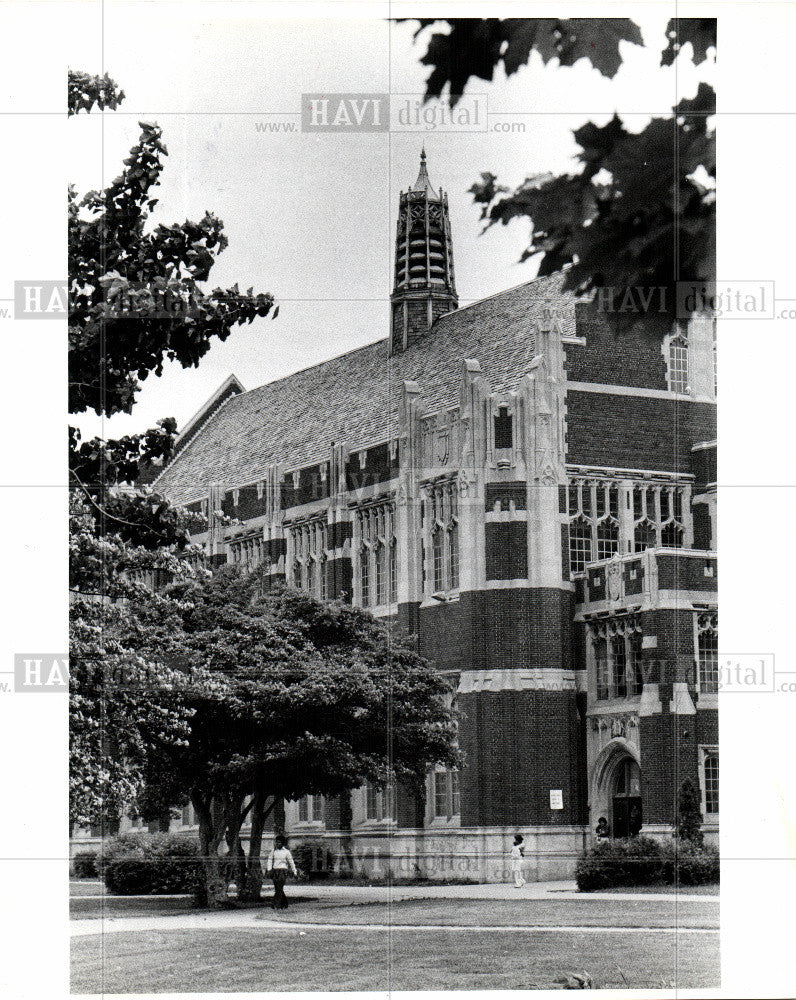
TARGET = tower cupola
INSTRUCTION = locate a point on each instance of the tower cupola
(424, 283)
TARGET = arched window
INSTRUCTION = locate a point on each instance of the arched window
(438, 550)
(323, 589)
(393, 569)
(607, 538)
(708, 651)
(379, 568)
(678, 363)
(579, 544)
(364, 576)
(453, 555)
(645, 536)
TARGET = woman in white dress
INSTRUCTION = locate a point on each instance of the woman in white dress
(516, 862)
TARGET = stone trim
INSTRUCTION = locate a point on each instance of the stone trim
(521, 679)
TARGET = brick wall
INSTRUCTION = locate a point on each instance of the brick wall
(495, 630)
(518, 745)
(506, 550)
(629, 358)
(635, 432)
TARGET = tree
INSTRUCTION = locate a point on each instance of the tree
(310, 698)
(124, 705)
(689, 813)
(136, 300)
(640, 213)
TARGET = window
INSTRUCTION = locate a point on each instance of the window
(654, 515)
(710, 780)
(579, 544)
(658, 516)
(438, 547)
(503, 428)
(379, 568)
(323, 582)
(707, 643)
(309, 556)
(364, 576)
(644, 535)
(593, 510)
(678, 362)
(377, 554)
(311, 809)
(247, 553)
(441, 537)
(607, 539)
(635, 673)
(379, 801)
(446, 800)
(441, 793)
(603, 669)
(392, 555)
(619, 664)
(616, 643)
(453, 555)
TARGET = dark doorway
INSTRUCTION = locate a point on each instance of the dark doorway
(627, 818)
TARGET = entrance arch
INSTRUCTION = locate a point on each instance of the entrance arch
(616, 788)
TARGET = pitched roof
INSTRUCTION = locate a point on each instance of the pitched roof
(354, 398)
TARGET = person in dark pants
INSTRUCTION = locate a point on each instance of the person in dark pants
(280, 862)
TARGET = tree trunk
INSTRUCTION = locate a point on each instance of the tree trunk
(345, 862)
(279, 817)
(236, 859)
(253, 884)
(212, 892)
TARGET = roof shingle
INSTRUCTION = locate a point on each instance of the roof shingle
(354, 398)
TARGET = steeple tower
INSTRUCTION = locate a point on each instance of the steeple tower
(424, 284)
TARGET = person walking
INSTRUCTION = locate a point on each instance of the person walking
(517, 852)
(280, 861)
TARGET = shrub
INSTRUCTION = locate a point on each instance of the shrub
(84, 864)
(128, 875)
(644, 861)
(689, 815)
(687, 863)
(151, 864)
(636, 861)
(314, 860)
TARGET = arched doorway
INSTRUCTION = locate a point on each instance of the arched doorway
(616, 788)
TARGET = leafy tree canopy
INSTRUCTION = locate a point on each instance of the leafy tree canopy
(640, 212)
(136, 300)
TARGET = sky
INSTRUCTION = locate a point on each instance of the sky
(310, 217)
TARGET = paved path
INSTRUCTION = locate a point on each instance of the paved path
(342, 895)
(490, 890)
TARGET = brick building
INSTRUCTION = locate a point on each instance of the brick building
(531, 495)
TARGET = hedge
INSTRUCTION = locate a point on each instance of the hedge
(314, 860)
(84, 864)
(151, 864)
(644, 861)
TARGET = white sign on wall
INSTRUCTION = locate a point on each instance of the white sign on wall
(556, 798)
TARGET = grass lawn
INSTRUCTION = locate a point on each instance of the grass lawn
(669, 890)
(86, 887)
(513, 912)
(264, 961)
